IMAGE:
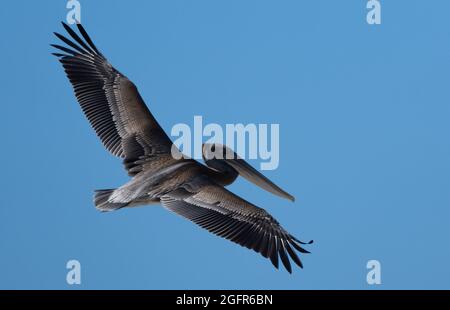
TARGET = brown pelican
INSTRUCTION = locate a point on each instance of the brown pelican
(127, 129)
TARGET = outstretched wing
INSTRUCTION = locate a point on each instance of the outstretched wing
(111, 102)
(229, 216)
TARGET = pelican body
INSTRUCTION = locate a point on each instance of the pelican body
(127, 129)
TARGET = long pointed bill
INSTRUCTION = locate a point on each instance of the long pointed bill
(251, 174)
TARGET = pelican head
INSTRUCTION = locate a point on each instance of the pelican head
(212, 151)
(215, 156)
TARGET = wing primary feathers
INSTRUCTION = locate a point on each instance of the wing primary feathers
(293, 255)
(301, 242)
(77, 38)
(265, 247)
(87, 38)
(70, 43)
(260, 242)
(243, 237)
(65, 49)
(59, 55)
(250, 242)
(273, 250)
(283, 256)
(299, 248)
(253, 236)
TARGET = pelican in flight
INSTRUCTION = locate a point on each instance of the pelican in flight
(127, 129)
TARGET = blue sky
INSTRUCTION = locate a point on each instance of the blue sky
(363, 113)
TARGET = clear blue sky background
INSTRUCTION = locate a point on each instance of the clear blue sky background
(364, 113)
